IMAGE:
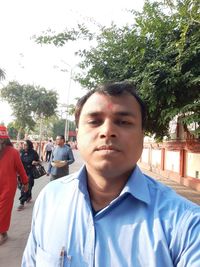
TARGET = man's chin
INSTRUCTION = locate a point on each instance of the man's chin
(107, 169)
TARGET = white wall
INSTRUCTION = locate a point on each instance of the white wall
(156, 157)
(172, 161)
(193, 165)
(145, 155)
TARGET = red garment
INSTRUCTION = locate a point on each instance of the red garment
(10, 166)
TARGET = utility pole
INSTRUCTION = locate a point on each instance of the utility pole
(70, 70)
(40, 137)
(67, 111)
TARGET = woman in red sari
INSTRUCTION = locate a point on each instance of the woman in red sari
(10, 166)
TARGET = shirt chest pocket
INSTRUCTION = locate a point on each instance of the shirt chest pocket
(44, 259)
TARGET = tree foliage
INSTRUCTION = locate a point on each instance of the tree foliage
(29, 103)
(159, 52)
(59, 127)
(12, 131)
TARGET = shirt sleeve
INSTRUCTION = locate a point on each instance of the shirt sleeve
(20, 168)
(29, 255)
(189, 240)
(70, 159)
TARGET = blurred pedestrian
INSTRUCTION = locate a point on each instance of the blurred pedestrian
(61, 157)
(48, 150)
(29, 158)
(10, 166)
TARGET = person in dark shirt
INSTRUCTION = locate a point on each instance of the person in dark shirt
(29, 158)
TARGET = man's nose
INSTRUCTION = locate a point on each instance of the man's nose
(108, 129)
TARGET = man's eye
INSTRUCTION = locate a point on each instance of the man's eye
(93, 122)
(123, 122)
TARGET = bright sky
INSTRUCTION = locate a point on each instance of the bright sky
(26, 62)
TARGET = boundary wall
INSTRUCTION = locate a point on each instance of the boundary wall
(176, 160)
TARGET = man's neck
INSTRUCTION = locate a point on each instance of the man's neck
(61, 145)
(103, 190)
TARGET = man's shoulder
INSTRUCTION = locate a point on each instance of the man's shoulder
(67, 147)
(166, 198)
(69, 179)
(64, 183)
(59, 190)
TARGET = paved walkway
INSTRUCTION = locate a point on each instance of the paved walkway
(11, 252)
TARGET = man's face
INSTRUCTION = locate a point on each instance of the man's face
(59, 141)
(110, 135)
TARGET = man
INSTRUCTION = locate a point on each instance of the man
(10, 166)
(109, 213)
(48, 150)
(61, 158)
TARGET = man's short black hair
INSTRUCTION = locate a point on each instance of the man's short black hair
(61, 136)
(112, 89)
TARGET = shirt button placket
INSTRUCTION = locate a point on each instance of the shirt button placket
(90, 242)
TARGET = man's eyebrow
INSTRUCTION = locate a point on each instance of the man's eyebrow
(93, 114)
(125, 113)
(118, 113)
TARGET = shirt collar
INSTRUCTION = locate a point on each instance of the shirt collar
(136, 185)
(82, 177)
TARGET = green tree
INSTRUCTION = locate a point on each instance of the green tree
(71, 109)
(12, 131)
(29, 104)
(72, 126)
(58, 128)
(159, 52)
(47, 127)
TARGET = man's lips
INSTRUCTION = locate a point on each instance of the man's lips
(107, 148)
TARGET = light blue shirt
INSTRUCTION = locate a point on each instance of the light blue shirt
(147, 225)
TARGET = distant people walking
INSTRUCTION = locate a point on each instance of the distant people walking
(48, 150)
(29, 158)
(10, 166)
(61, 157)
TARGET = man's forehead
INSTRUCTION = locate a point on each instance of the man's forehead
(99, 100)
